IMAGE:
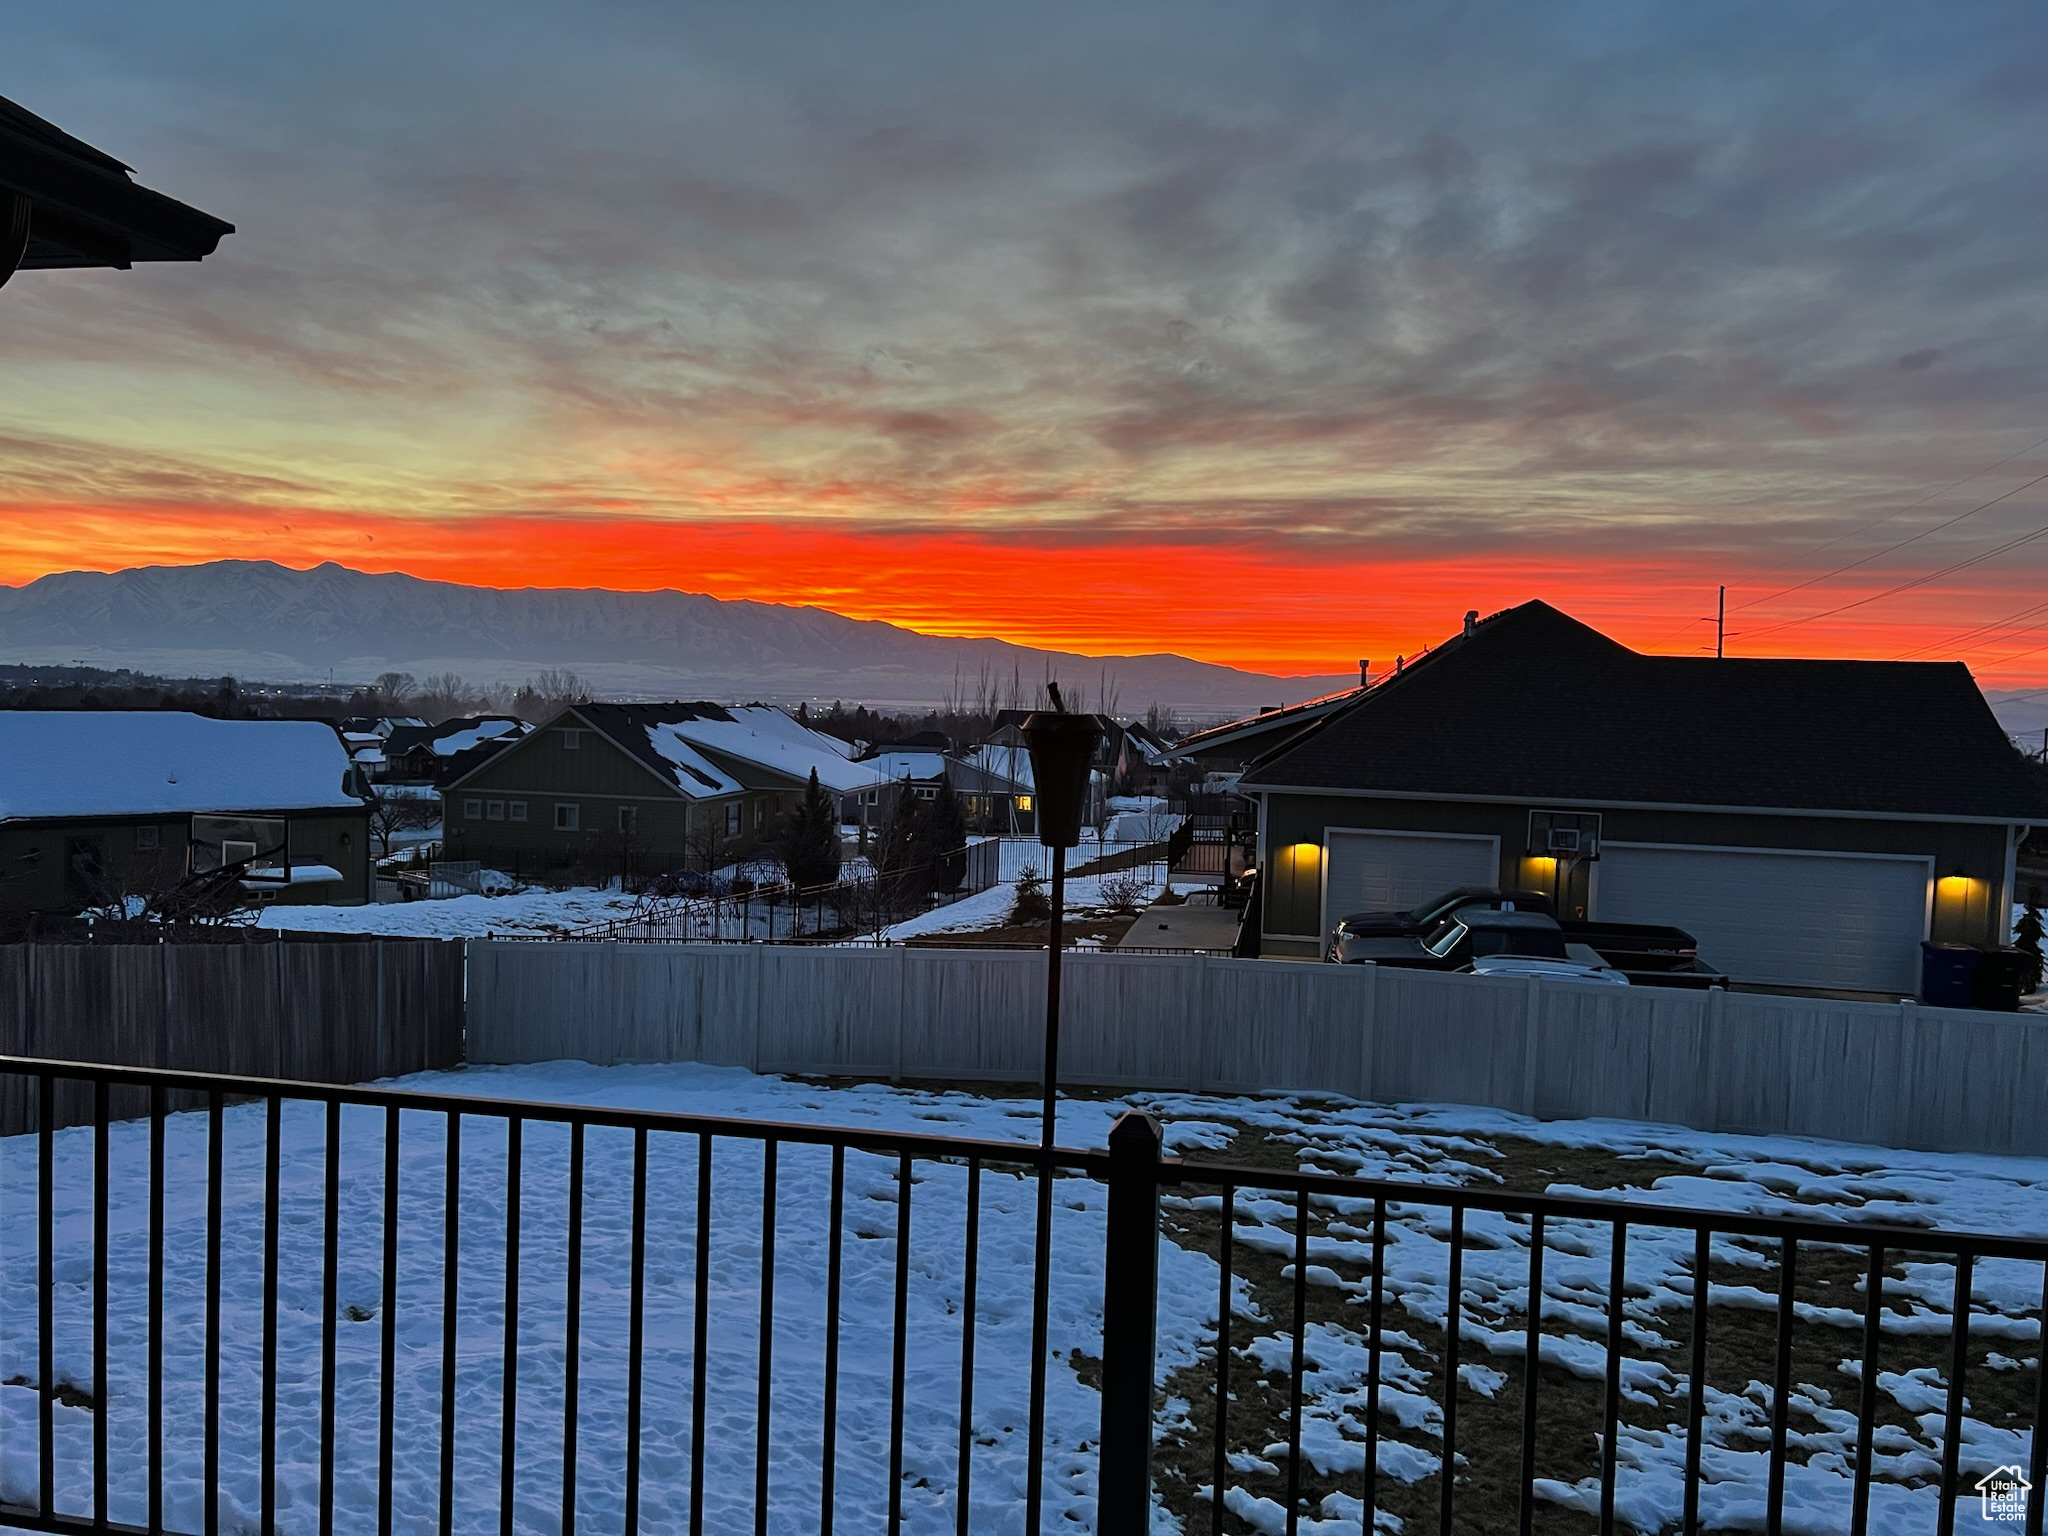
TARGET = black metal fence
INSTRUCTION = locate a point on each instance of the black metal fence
(302, 1307)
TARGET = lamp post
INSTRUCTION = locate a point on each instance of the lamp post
(1062, 748)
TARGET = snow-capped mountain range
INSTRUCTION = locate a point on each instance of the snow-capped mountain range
(259, 620)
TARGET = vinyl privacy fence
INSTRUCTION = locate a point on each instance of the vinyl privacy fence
(1898, 1075)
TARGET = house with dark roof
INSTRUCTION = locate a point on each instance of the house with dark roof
(1227, 748)
(1810, 822)
(418, 753)
(101, 805)
(626, 789)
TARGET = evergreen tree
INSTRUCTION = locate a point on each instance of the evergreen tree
(947, 828)
(810, 855)
(903, 860)
(2026, 935)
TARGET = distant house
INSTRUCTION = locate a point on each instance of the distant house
(99, 804)
(440, 754)
(989, 798)
(1809, 822)
(609, 789)
(1220, 752)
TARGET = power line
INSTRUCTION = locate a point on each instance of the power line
(1880, 522)
(1968, 635)
(1921, 581)
(1865, 528)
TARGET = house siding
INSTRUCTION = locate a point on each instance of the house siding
(1292, 912)
(599, 778)
(33, 857)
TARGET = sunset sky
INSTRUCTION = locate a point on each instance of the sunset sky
(1279, 335)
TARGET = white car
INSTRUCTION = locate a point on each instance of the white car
(1578, 967)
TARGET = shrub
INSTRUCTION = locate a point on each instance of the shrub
(1031, 904)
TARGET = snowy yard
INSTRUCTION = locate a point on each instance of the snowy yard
(531, 911)
(1420, 1144)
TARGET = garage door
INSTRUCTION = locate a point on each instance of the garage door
(1382, 871)
(1808, 920)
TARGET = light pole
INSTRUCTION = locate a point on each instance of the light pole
(1062, 748)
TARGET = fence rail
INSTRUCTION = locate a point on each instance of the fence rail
(305, 1307)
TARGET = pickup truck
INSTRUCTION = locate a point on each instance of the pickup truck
(1651, 954)
(1491, 942)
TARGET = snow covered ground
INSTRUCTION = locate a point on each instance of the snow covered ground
(991, 908)
(1427, 1145)
(530, 911)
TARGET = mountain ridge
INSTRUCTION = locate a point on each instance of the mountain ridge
(263, 619)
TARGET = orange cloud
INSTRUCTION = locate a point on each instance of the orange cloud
(1278, 605)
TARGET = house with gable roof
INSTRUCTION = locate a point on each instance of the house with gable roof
(1810, 821)
(605, 790)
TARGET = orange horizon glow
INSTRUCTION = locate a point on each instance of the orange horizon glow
(1282, 607)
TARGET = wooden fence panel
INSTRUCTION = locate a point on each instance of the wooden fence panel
(342, 1011)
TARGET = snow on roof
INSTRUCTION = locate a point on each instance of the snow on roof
(66, 763)
(767, 736)
(1012, 763)
(696, 774)
(482, 731)
(907, 765)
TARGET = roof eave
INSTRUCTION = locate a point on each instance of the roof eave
(2026, 818)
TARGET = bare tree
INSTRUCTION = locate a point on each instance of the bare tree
(392, 690)
(443, 697)
(391, 814)
(542, 697)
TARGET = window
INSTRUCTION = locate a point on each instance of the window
(629, 819)
(517, 808)
(472, 808)
(568, 818)
(148, 839)
(1023, 802)
(871, 797)
(572, 740)
(732, 820)
(495, 811)
(760, 814)
(927, 791)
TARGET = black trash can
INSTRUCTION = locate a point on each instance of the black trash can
(2001, 979)
(1948, 973)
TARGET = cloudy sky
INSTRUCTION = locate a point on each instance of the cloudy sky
(1279, 334)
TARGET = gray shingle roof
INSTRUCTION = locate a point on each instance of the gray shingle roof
(1533, 704)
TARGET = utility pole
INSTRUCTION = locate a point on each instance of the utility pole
(1720, 623)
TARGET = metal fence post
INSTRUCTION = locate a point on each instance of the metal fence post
(1130, 1291)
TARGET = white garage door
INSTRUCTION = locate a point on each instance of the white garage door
(1383, 871)
(1807, 920)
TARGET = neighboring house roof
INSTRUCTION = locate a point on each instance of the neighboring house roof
(453, 737)
(1534, 705)
(463, 737)
(708, 749)
(929, 766)
(64, 203)
(66, 764)
(1009, 763)
(1262, 732)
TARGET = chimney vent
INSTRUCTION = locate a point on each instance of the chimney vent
(1364, 672)
(1471, 621)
